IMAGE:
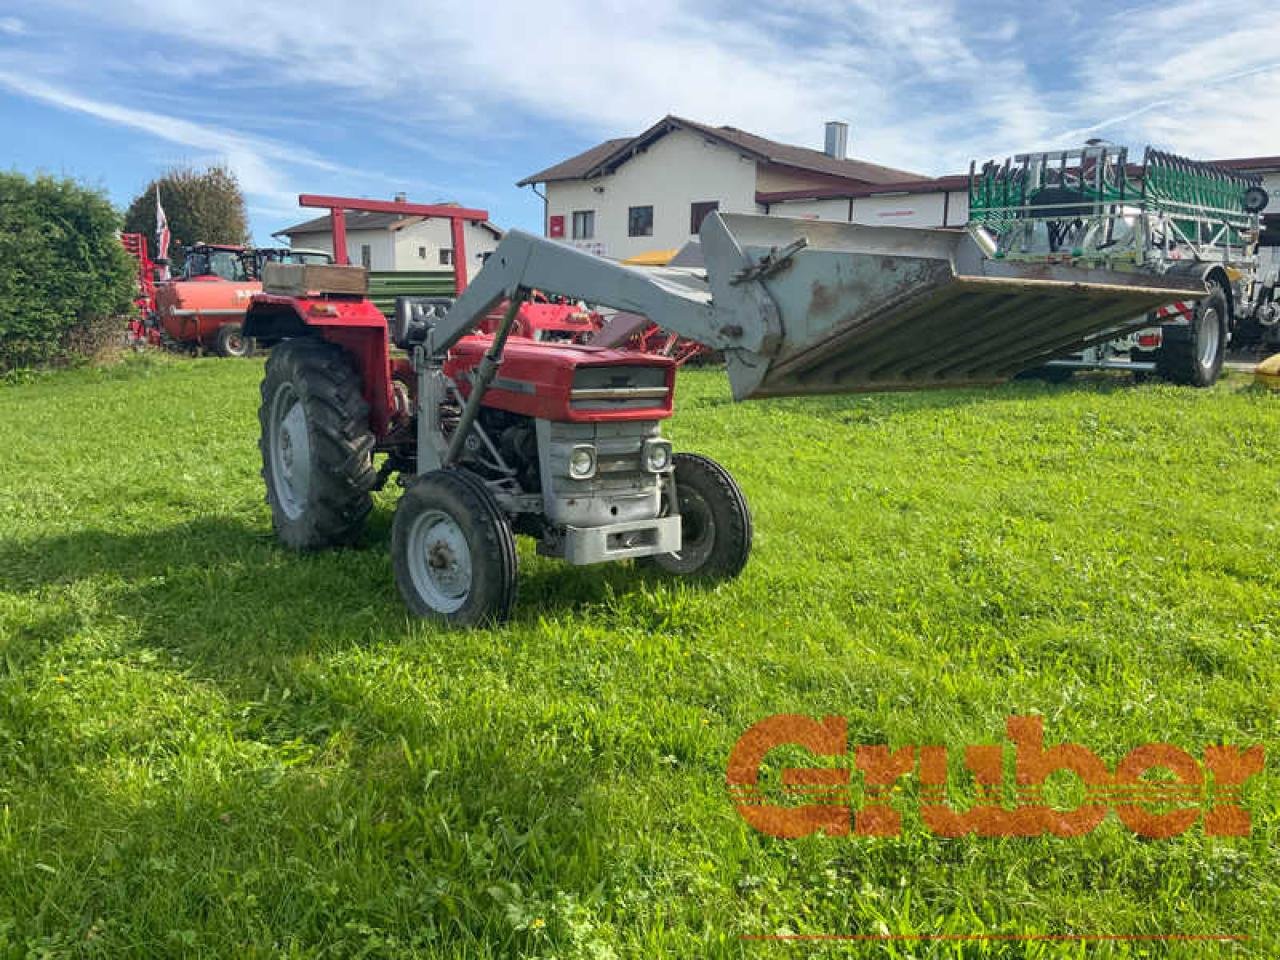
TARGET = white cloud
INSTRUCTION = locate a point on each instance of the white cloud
(1198, 76)
(608, 67)
(12, 26)
(249, 158)
(927, 84)
(256, 161)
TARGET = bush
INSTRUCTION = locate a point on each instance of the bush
(63, 274)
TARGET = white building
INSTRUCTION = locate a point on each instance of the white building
(389, 241)
(650, 192)
(916, 202)
(944, 201)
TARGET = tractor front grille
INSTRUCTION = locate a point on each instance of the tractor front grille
(619, 388)
(621, 489)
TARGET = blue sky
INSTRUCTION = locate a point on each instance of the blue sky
(448, 100)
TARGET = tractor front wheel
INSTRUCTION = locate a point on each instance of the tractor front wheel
(715, 522)
(453, 551)
(316, 445)
(231, 341)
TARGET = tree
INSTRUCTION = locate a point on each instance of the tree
(63, 272)
(202, 207)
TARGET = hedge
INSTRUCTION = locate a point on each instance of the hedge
(63, 272)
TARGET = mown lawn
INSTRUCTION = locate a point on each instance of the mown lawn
(209, 746)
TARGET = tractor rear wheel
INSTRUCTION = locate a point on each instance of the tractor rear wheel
(453, 551)
(715, 521)
(316, 445)
(231, 341)
(1192, 355)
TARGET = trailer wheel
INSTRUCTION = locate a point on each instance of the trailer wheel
(453, 551)
(231, 341)
(715, 521)
(316, 445)
(1193, 355)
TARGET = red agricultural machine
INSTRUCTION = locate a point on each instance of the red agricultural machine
(494, 435)
(142, 332)
(204, 307)
(135, 244)
(198, 309)
(627, 331)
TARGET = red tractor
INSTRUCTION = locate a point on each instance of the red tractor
(495, 435)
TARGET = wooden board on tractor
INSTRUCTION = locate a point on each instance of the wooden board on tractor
(311, 279)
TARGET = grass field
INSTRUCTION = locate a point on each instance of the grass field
(209, 746)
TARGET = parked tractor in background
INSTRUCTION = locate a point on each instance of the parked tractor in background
(203, 307)
(1169, 217)
(265, 255)
(493, 435)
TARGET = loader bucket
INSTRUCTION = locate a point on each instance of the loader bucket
(881, 308)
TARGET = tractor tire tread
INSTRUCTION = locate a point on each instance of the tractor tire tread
(341, 498)
(497, 546)
(732, 552)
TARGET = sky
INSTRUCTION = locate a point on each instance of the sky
(459, 100)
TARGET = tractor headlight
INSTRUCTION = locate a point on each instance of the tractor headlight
(582, 462)
(657, 455)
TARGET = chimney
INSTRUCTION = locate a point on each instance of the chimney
(837, 142)
(402, 198)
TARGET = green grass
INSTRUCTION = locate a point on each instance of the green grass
(209, 746)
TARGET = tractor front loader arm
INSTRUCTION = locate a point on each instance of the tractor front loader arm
(804, 306)
(523, 261)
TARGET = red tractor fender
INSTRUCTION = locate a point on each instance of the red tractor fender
(354, 324)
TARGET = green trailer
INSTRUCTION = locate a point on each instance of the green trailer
(1167, 216)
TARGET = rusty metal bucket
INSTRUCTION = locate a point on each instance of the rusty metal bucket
(880, 308)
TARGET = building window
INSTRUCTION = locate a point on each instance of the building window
(422, 253)
(446, 258)
(640, 222)
(698, 212)
(584, 224)
(366, 256)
